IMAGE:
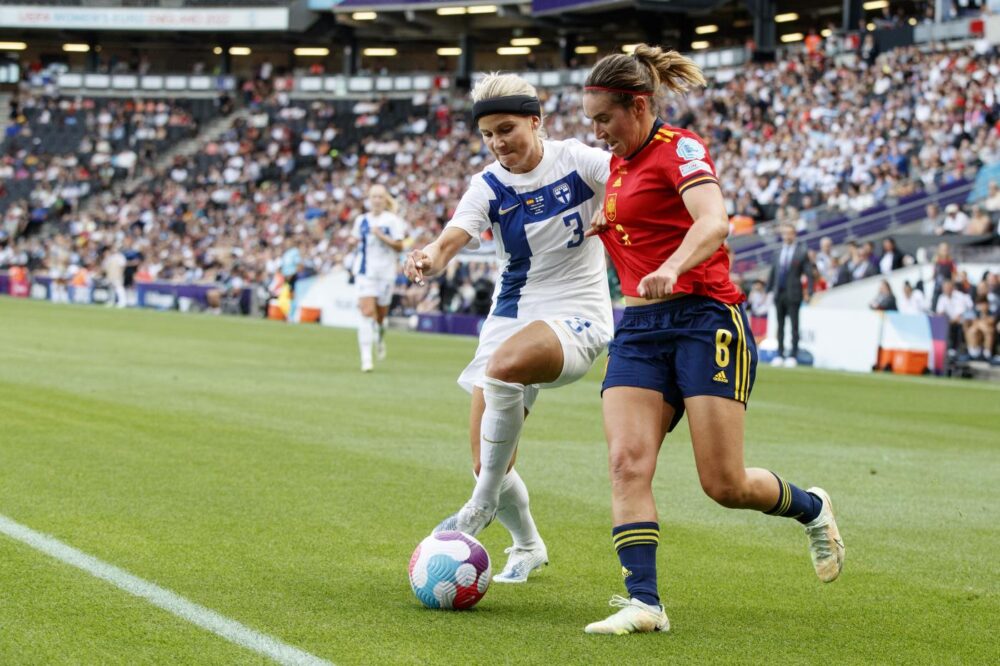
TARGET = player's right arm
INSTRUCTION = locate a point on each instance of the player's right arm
(430, 261)
(471, 218)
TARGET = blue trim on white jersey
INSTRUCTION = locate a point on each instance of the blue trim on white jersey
(364, 244)
(510, 212)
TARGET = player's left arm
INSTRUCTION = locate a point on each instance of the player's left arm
(396, 244)
(711, 227)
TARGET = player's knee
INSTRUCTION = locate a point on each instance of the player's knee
(506, 368)
(727, 492)
(628, 466)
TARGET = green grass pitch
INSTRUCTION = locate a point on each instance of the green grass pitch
(250, 467)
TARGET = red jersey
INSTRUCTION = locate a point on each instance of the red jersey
(647, 219)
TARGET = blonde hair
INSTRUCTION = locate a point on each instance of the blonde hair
(498, 84)
(645, 71)
(390, 202)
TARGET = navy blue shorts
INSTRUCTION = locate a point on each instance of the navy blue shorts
(683, 348)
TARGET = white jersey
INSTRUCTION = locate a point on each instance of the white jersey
(548, 268)
(373, 258)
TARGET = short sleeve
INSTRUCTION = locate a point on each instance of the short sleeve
(685, 160)
(356, 229)
(472, 215)
(593, 164)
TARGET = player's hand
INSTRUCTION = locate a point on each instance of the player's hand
(658, 284)
(598, 224)
(416, 263)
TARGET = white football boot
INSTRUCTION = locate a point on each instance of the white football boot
(470, 519)
(826, 548)
(634, 617)
(521, 563)
(473, 519)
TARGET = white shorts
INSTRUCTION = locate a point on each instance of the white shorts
(380, 289)
(582, 342)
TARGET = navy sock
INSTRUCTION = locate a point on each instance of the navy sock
(793, 502)
(636, 545)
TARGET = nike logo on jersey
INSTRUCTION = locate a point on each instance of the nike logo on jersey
(504, 211)
(839, 542)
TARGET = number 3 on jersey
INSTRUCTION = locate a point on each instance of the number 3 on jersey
(577, 230)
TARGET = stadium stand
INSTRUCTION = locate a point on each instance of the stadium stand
(847, 145)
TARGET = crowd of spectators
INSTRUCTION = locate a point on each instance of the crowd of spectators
(59, 150)
(806, 132)
(789, 139)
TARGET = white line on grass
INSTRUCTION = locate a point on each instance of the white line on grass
(231, 630)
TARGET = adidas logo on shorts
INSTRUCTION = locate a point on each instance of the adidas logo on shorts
(720, 377)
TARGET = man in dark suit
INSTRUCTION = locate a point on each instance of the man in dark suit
(785, 284)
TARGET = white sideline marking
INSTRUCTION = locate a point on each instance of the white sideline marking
(220, 625)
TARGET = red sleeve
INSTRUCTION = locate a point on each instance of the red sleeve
(685, 161)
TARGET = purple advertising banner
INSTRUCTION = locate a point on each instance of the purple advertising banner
(164, 295)
(459, 324)
(160, 295)
(455, 324)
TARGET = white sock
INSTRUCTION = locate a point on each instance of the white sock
(974, 351)
(366, 334)
(501, 427)
(514, 514)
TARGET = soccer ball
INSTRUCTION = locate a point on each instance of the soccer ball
(450, 570)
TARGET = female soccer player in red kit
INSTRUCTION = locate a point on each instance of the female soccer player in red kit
(684, 344)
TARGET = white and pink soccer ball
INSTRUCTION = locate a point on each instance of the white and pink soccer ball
(450, 570)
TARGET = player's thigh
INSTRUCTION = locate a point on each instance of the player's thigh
(532, 355)
(635, 422)
(367, 306)
(717, 428)
(582, 342)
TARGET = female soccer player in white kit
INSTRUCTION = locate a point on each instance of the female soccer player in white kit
(551, 314)
(380, 235)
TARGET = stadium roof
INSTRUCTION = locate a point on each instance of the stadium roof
(604, 22)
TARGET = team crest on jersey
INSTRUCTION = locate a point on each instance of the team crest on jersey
(562, 193)
(689, 149)
(611, 207)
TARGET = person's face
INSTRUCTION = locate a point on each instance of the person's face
(907, 289)
(886, 246)
(619, 127)
(788, 234)
(947, 288)
(378, 200)
(512, 139)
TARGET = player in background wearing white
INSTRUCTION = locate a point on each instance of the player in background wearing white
(380, 235)
(551, 313)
